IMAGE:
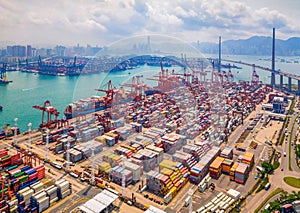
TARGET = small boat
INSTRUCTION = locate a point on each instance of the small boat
(1, 108)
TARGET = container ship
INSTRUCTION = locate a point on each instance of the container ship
(85, 106)
(8, 131)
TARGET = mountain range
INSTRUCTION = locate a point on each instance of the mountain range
(256, 45)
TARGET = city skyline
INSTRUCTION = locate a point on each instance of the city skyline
(102, 22)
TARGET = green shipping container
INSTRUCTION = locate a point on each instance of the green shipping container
(23, 178)
(4, 157)
(12, 167)
(5, 190)
(19, 174)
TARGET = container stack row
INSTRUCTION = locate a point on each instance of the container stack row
(171, 178)
(112, 159)
(7, 160)
(117, 173)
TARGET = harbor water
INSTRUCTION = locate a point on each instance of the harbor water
(30, 89)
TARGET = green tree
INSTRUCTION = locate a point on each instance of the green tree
(283, 196)
(275, 205)
(268, 167)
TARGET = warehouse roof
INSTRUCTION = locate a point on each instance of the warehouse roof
(153, 209)
(100, 202)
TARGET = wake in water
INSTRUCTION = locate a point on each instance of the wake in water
(27, 89)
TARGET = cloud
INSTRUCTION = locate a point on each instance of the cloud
(105, 21)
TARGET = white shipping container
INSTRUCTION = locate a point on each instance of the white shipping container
(66, 193)
(23, 190)
(53, 200)
(39, 195)
(44, 204)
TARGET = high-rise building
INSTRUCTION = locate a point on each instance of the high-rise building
(16, 51)
(29, 51)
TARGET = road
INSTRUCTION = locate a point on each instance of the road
(276, 179)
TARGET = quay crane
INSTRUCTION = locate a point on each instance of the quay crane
(110, 92)
(230, 75)
(50, 110)
(138, 88)
(166, 81)
(255, 76)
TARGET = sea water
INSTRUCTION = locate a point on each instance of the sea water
(30, 89)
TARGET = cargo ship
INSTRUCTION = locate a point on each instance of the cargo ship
(85, 106)
(8, 131)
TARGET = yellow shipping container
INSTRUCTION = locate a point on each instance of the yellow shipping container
(173, 191)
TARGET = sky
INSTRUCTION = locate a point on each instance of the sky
(101, 22)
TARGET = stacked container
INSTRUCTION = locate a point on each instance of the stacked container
(159, 151)
(136, 170)
(64, 188)
(226, 166)
(112, 159)
(41, 171)
(186, 159)
(104, 167)
(215, 168)
(37, 187)
(123, 151)
(148, 157)
(116, 175)
(51, 192)
(197, 172)
(110, 141)
(241, 173)
(75, 155)
(227, 152)
(40, 200)
(248, 158)
(113, 135)
(171, 179)
(24, 195)
(232, 170)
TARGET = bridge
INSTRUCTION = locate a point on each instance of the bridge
(275, 72)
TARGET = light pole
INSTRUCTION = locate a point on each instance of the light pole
(15, 132)
(47, 146)
(29, 139)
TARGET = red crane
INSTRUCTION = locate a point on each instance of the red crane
(109, 98)
(5, 182)
(137, 86)
(50, 111)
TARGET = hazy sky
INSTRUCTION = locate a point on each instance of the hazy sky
(68, 22)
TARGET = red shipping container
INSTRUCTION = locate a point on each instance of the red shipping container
(39, 167)
(3, 152)
(16, 159)
(2, 203)
(5, 164)
(32, 176)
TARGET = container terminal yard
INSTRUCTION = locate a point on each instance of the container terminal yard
(185, 145)
(192, 143)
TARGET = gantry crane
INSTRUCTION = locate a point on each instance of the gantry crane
(138, 88)
(110, 92)
(255, 76)
(5, 184)
(50, 110)
(230, 75)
